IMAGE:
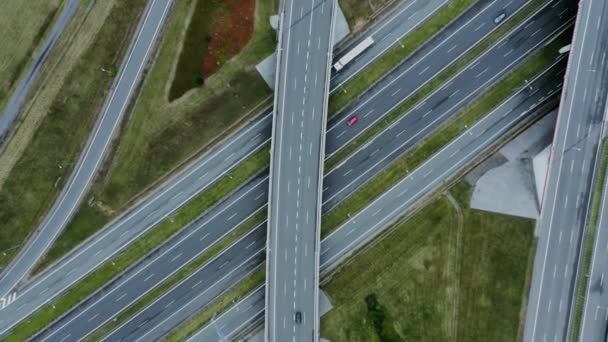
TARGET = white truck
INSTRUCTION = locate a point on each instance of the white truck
(353, 53)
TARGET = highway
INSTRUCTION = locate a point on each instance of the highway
(183, 186)
(17, 99)
(525, 105)
(572, 165)
(594, 321)
(94, 151)
(252, 197)
(296, 169)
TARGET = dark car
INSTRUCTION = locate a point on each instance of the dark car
(298, 317)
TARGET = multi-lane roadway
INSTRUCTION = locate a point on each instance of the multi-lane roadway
(594, 323)
(566, 201)
(296, 169)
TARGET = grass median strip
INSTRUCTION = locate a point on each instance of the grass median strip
(140, 248)
(183, 273)
(434, 84)
(396, 54)
(218, 306)
(596, 203)
(380, 183)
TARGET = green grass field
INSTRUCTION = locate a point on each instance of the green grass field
(23, 25)
(448, 273)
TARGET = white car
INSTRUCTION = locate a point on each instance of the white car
(500, 18)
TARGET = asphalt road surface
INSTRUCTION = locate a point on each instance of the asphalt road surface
(93, 154)
(13, 106)
(566, 201)
(526, 104)
(296, 169)
(252, 197)
(185, 185)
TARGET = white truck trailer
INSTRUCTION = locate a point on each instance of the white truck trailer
(353, 53)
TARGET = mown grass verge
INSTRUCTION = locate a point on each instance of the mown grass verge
(182, 274)
(516, 79)
(596, 200)
(221, 304)
(148, 242)
(397, 53)
(46, 163)
(23, 26)
(358, 13)
(411, 284)
(434, 84)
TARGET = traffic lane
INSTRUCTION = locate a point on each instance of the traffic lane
(90, 159)
(196, 291)
(578, 168)
(439, 106)
(143, 278)
(406, 17)
(519, 106)
(595, 311)
(563, 261)
(229, 324)
(551, 302)
(430, 60)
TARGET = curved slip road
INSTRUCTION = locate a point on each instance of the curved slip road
(93, 154)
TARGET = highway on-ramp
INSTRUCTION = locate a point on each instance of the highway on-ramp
(94, 151)
(525, 104)
(566, 200)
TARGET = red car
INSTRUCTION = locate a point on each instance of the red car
(352, 121)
